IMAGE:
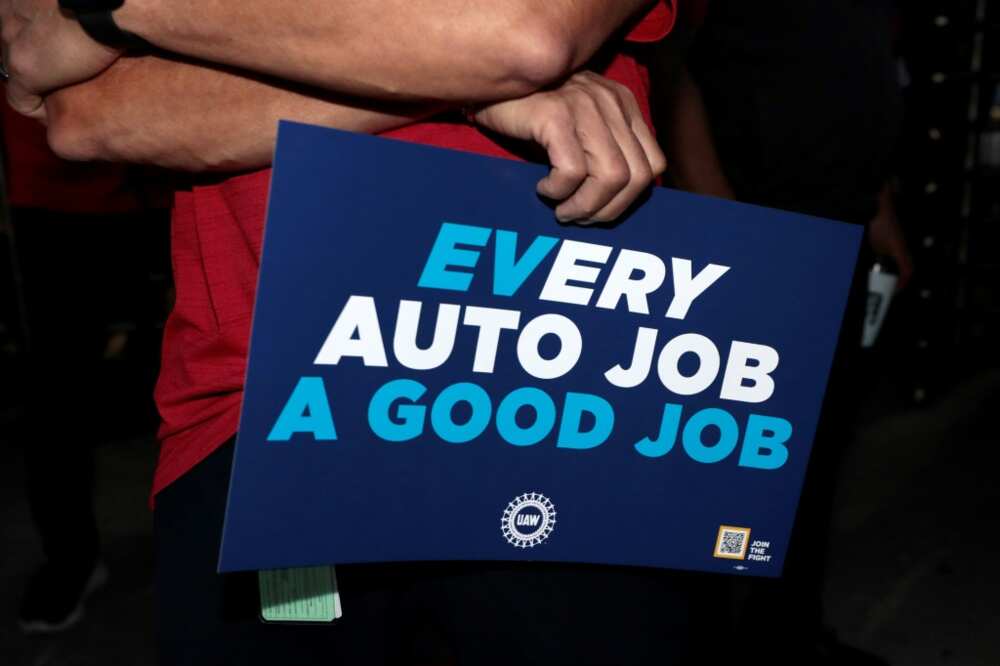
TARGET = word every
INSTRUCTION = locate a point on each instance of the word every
(634, 275)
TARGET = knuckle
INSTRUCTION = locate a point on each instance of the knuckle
(20, 63)
(569, 90)
(619, 180)
(583, 98)
(642, 176)
(616, 174)
(559, 111)
(624, 93)
(609, 97)
(18, 101)
(575, 170)
(555, 122)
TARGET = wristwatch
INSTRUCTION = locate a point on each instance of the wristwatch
(95, 16)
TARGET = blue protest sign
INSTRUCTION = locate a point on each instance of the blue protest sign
(441, 371)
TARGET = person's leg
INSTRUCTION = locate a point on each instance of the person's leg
(556, 614)
(203, 617)
(78, 271)
(55, 256)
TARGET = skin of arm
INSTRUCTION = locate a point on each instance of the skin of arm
(454, 50)
(188, 117)
(457, 51)
(441, 53)
(695, 164)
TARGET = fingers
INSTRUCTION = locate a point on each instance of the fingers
(607, 168)
(640, 170)
(654, 154)
(566, 155)
(603, 154)
(20, 98)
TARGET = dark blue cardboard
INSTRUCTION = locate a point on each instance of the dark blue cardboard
(374, 219)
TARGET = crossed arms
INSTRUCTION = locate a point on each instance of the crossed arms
(380, 64)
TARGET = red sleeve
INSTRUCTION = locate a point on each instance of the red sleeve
(656, 24)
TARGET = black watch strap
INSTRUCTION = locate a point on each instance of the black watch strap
(101, 27)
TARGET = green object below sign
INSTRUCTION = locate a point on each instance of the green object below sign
(299, 595)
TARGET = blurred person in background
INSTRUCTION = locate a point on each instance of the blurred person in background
(77, 230)
(795, 104)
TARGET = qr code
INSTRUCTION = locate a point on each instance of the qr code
(732, 542)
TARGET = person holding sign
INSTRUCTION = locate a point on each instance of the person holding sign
(199, 87)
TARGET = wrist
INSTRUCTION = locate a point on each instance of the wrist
(71, 130)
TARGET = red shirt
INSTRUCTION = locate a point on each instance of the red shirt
(37, 178)
(216, 240)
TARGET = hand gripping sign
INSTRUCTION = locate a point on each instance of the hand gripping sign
(440, 371)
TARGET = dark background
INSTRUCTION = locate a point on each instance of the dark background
(912, 573)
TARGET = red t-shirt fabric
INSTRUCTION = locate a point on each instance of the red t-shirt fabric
(38, 178)
(216, 244)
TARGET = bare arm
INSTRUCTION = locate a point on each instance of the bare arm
(189, 117)
(451, 51)
(458, 50)
(694, 162)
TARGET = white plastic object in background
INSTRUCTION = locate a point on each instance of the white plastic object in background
(881, 286)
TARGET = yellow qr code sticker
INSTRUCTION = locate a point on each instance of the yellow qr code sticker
(732, 542)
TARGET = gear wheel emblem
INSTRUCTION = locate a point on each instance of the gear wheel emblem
(528, 520)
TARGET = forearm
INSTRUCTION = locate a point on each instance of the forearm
(694, 162)
(453, 50)
(189, 117)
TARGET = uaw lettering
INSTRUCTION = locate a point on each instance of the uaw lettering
(384, 334)
(528, 520)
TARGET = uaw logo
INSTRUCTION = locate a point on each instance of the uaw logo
(528, 520)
